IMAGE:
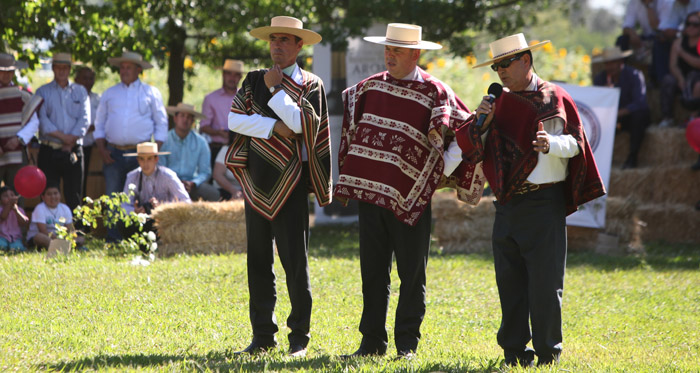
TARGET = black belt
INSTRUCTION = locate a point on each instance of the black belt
(528, 187)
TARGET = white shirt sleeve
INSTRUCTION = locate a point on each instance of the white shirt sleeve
(287, 110)
(254, 125)
(560, 145)
(630, 20)
(29, 129)
(452, 157)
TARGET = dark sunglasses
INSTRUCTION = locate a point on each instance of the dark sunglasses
(693, 24)
(505, 63)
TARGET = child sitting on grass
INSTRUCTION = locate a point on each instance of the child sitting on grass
(12, 217)
(46, 215)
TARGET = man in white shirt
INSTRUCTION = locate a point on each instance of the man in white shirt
(281, 151)
(129, 113)
(537, 160)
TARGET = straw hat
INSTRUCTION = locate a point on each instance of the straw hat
(61, 57)
(286, 25)
(146, 148)
(235, 66)
(132, 57)
(184, 108)
(611, 54)
(509, 46)
(8, 63)
(403, 35)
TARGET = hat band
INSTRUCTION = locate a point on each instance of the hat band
(402, 41)
(509, 52)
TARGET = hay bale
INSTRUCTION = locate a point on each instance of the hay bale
(661, 147)
(672, 184)
(201, 227)
(676, 223)
(460, 227)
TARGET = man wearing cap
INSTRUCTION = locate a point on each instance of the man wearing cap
(20, 120)
(540, 167)
(396, 149)
(281, 152)
(63, 121)
(129, 113)
(633, 113)
(189, 153)
(217, 105)
(152, 185)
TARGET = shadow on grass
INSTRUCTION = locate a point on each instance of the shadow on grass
(227, 361)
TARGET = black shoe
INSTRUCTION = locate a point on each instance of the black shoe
(297, 351)
(405, 355)
(549, 360)
(256, 348)
(695, 166)
(520, 363)
(629, 163)
(361, 352)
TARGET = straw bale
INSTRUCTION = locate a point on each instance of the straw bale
(677, 223)
(661, 147)
(672, 184)
(201, 227)
(460, 227)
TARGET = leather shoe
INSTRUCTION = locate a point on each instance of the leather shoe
(297, 351)
(361, 352)
(256, 348)
(405, 355)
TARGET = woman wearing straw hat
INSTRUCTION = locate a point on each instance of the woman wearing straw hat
(537, 160)
(281, 151)
(396, 149)
(633, 110)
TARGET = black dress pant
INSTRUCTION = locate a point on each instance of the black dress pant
(57, 164)
(382, 235)
(529, 249)
(636, 124)
(290, 231)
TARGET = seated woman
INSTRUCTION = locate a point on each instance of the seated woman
(46, 215)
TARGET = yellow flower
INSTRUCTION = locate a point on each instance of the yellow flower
(596, 51)
(533, 42)
(188, 63)
(586, 59)
(582, 83)
(562, 52)
(490, 54)
(471, 60)
(486, 77)
(441, 62)
(214, 41)
(430, 66)
(309, 61)
(573, 75)
(549, 48)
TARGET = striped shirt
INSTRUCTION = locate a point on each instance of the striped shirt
(163, 184)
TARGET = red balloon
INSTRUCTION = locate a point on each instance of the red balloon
(30, 181)
(692, 134)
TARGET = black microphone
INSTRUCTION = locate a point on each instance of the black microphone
(494, 91)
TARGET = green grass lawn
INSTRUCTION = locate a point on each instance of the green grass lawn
(93, 311)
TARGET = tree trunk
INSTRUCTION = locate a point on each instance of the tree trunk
(176, 66)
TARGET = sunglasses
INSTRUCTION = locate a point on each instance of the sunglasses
(692, 24)
(505, 63)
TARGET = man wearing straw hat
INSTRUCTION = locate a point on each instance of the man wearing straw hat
(152, 186)
(129, 113)
(20, 120)
(189, 153)
(540, 167)
(281, 151)
(633, 113)
(63, 121)
(217, 105)
(396, 149)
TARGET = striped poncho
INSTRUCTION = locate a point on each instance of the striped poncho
(269, 169)
(16, 108)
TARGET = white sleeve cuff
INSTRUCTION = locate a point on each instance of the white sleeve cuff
(287, 110)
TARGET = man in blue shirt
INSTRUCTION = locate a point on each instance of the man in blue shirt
(189, 154)
(633, 110)
(63, 121)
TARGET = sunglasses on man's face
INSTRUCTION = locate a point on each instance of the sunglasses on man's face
(692, 24)
(505, 63)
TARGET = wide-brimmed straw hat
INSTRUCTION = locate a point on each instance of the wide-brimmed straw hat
(403, 35)
(184, 108)
(235, 66)
(611, 54)
(286, 25)
(132, 57)
(146, 148)
(8, 63)
(62, 57)
(509, 46)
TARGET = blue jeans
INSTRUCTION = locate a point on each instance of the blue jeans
(15, 245)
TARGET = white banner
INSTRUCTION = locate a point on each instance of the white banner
(597, 107)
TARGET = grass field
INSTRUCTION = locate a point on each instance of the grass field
(95, 311)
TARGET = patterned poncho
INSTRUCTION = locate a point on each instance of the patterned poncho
(394, 135)
(269, 169)
(16, 108)
(508, 155)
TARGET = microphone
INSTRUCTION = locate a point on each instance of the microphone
(494, 91)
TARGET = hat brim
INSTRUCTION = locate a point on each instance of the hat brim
(172, 110)
(420, 45)
(115, 61)
(231, 70)
(622, 56)
(19, 65)
(137, 154)
(263, 33)
(531, 47)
